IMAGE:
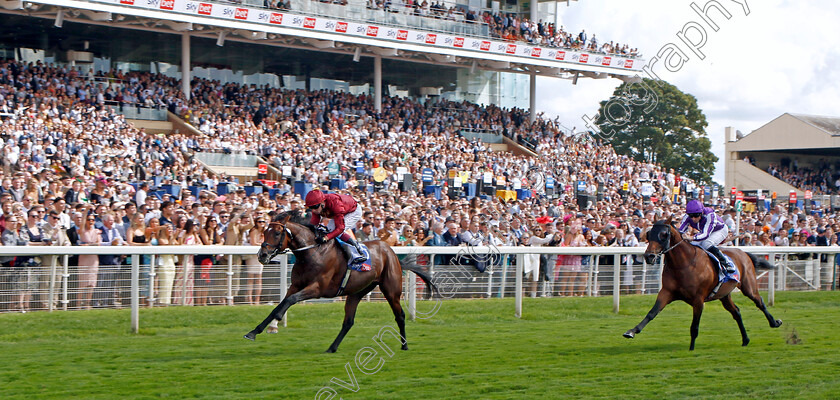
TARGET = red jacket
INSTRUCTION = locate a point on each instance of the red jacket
(336, 206)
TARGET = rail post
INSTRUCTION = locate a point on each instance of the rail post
(520, 265)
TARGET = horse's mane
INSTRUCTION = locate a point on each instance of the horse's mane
(299, 217)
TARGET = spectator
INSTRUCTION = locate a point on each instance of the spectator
(254, 267)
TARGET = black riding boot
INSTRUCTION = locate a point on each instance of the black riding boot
(355, 244)
(727, 267)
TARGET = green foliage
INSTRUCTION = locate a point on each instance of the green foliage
(568, 348)
(654, 121)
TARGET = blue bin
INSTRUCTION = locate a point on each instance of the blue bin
(222, 188)
(174, 190)
(302, 188)
(249, 190)
(523, 194)
(337, 184)
(195, 190)
(470, 190)
(434, 190)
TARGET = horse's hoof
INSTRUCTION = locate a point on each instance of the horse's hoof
(630, 334)
(250, 336)
(745, 342)
(272, 329)
(405, 347)
(777, 324)
(331, 350)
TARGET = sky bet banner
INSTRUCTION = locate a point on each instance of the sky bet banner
(320, 24)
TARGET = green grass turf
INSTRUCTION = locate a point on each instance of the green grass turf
(560, 349)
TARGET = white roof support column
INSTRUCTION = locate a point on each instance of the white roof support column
(532, 97)
(185, 64)
(377, 83)
(535, 6)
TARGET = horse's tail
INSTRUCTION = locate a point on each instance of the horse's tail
(409, 263)
(760, 262)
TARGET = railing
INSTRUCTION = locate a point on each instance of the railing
(228, 160)
(483, 136)
(135, 111)
(56, 283)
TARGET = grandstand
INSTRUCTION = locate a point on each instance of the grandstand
(792, 153)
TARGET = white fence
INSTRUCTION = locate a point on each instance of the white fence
(57, 283)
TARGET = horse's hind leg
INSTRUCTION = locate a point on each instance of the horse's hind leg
(393, 297)
(695, 321)
(750, 289)
(730, 306)
(662, 300)
(350, 306)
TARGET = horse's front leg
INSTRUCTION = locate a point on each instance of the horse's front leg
(293, 296)
(662, 299)
(695, 321)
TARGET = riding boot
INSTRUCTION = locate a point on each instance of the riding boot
(361, 257)
(728, 268)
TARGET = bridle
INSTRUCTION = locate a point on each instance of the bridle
(286, 233)
(663, 252)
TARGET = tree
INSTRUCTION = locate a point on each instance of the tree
(653, 121)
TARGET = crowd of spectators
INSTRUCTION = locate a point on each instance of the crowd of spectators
(74, 171)
(821, 178)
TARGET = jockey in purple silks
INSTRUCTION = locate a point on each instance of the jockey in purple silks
(712, 229)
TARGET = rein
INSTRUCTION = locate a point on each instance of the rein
(288, 232)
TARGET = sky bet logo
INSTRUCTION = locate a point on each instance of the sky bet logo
(561, 55)
(309, 23)
(341, 27)
(241, 13)
(402, 34)
(485, 46)
(431, 38)
(372, 31)
(606, 61)
(276, 18)
(629, 64)
(536, 51)
(584, 58)
(459, 42)
(167, 4)
(127, 2)
(205, 9)
(511, 49)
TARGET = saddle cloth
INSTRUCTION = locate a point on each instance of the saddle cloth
(362, 266)
(736, 276)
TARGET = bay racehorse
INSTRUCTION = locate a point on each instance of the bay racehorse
(690, 276)
(320, 269)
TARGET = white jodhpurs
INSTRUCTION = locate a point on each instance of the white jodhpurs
(714, 239)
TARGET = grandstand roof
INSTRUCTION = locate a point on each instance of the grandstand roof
(792, 132)
(504, 57)
(831, 125)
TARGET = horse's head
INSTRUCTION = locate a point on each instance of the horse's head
(659, 239)
(276, 238)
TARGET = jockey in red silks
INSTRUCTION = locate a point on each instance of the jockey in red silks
(712, 229)
(344, 213)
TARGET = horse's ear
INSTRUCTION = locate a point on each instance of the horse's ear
(671, 220)
(284, 218)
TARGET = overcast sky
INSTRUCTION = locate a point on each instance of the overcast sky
(782, 57)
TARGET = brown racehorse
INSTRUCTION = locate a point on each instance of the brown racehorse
(320, 269)
(690, 276)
